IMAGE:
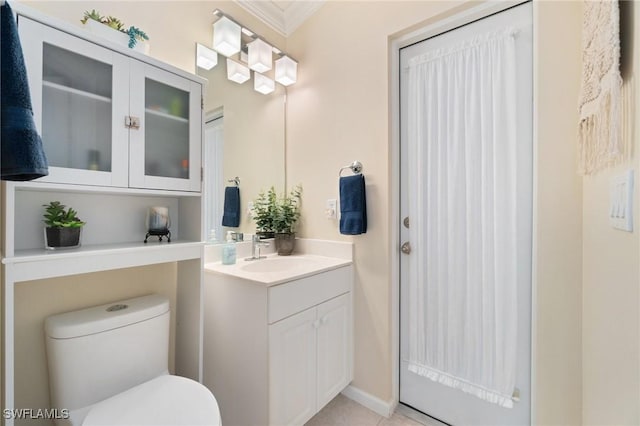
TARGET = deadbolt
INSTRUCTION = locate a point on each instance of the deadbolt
(406, 248)
(405, 222)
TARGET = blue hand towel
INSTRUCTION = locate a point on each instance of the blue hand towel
(231, 216)
(353, 205)
(22, 155)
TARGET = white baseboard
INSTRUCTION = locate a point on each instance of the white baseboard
(373, 403)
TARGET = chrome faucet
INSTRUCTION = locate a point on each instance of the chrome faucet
(255, 248)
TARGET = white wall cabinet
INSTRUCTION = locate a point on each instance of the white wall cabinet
(275, 355)
(108, 119)
(309, 360)
(82, 89)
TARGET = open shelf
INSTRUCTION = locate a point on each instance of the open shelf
(35, 264)
(75, 91)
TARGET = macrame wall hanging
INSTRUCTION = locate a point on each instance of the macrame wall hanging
(600, 136)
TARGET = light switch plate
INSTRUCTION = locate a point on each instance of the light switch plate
(250, 209)
(621, 208)
(330, 209)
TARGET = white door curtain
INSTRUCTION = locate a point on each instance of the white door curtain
(462, 177)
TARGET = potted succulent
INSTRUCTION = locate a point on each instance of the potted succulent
(112, 28)
(63, 227)
(263, 213)
(285, 219)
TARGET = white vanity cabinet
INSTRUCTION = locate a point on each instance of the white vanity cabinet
(108, 119)
(309, 360)
(277, 354)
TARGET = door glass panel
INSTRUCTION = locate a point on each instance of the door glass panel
(76, 110)
(166, 131)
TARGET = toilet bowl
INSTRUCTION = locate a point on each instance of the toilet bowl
(108, 366)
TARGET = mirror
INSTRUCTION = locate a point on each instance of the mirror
(253, 137)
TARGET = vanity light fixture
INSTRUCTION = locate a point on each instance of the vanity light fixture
(247, 50)
(237, 72)
(226, 36)
(286, 71)
(260, 55)
(205, 57)
(263, 84)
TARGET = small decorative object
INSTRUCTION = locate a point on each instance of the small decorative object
(158, 223)
(280, 216)
(63, 227)
(94, 159)
(130, 37)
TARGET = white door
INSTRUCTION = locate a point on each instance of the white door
(451, 403)
(334, 349)
(80, 96)
(292, 369)
(165, 151)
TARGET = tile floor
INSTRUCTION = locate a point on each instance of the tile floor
(342, 411)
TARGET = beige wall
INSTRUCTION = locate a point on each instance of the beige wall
(558, 253)
(611, 310)
(339, 112)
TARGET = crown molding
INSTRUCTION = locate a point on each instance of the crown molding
(284, 22)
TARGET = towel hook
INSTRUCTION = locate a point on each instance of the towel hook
(356, 168)
(235, 180)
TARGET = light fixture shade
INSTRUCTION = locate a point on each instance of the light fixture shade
(263, 84)
(205, 57)
(260, 55)
(226, 36)
(286, 71)
(237, 72)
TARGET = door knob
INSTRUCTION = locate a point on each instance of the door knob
(406, 248)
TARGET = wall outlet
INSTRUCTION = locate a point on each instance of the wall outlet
(250, 208)
(621, 207)
(330, 208)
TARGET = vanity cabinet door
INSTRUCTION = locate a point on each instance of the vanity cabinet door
(80, 97)
(292, 369)
(165, 140)
(334, 348)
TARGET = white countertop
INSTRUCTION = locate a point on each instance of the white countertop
(277, 269)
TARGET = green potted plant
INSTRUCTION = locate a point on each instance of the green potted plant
(63, 226)
(285, 219)
(263, 213)
(114, 29)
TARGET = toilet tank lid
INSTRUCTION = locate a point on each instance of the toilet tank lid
(106, 317)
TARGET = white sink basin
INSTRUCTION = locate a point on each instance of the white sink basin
(277, 269)
(278, 264)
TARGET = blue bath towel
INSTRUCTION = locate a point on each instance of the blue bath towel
(353, 205)
(22, 155)
(231, 216)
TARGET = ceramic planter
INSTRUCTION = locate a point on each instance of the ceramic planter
(285, 243)
(62, 238)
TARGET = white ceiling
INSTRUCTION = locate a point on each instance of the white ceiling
(281, 15)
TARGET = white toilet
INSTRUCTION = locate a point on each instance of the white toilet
(108, 366)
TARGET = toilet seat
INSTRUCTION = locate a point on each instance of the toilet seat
(165, 400)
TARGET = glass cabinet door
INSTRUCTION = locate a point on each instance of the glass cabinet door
(79, 93)
(165, 149)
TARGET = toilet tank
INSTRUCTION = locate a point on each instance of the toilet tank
(95, 353)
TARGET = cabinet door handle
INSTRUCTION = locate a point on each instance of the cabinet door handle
(131, 122)
(135, 123)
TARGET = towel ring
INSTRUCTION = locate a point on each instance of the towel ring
(235, 180)
(356, 168)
